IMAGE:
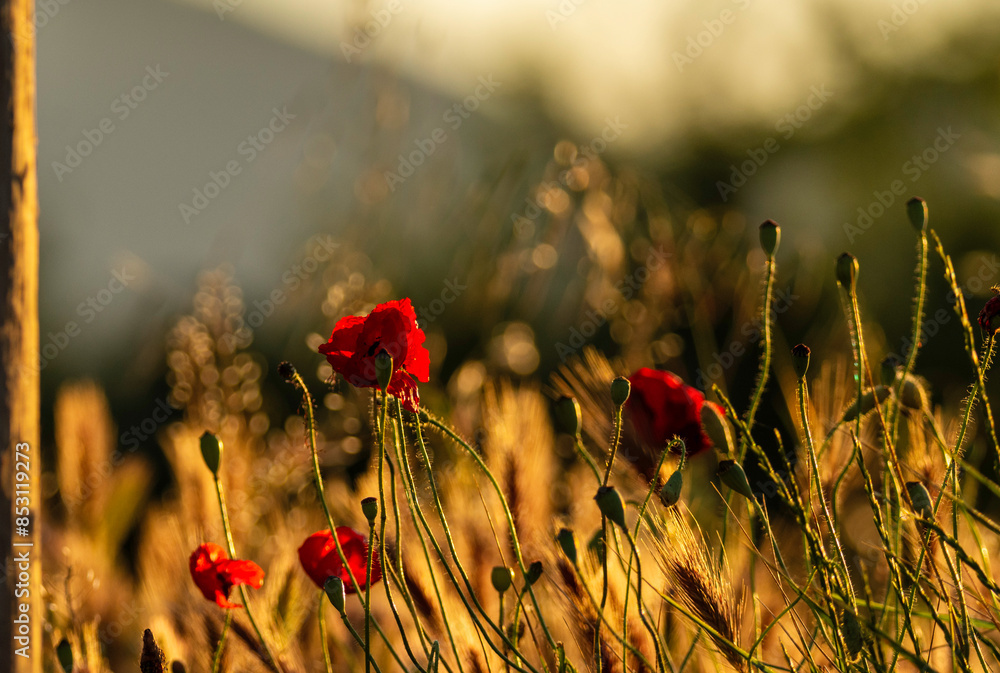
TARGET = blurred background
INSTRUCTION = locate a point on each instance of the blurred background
(505, 165)
(221, 180)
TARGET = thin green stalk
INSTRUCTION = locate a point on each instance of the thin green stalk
(515, 543)
(918, 318)
(217, 659)
(765, 360)
(231, 548)
(296, 379)
(368, 591)
(454, 555)
(322, 633)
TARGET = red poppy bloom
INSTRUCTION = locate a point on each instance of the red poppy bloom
(319, 558)
(661, 406)
(391, 327)
(990, 311)
(215, 574)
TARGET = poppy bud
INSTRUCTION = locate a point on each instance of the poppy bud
(852, 633)
(334, 588)
(770, 236)
(847, 271)
(569, 415)
(177, 667)
(916, 210)
(501, 577)
(383, 369)
(867, 403)
(732, 475)
(534, 573)
(889, 370)
(370, 508)
(620, 389)
(913, 394)
(800, 360)
(64, 653)
(286, 370)
(610, 504)
(990, 311)
(716, 428)
(920, 498)
(211, 451)
(670, 493)
(567, 540)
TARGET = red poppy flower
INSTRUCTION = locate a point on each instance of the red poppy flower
(661, 406)
(319, 558)
(391, 327)
(990, 311)
(215, 574)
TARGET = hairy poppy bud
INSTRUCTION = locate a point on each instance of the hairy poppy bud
(990, 311)
(852, 633)
(501, 577)
(921, 499)
(847, 272)
(370, 508)
(534, 573)
(567, 540)
(670, 493)
(620, 389)
(383, 369)
(913, 394)
(732, 475)
(916, 210)
(569, 415)
(889, 370)
(800, 360)
(770, 236)
(334, 588)
(713, 422)
(211, 451)
(64, 653)
(610, 504)
(286, 370)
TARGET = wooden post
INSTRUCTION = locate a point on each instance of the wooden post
(21, 647)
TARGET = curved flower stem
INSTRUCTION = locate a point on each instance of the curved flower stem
(765, 358)
(368, 591)
(322, 633)
(918, 318)
(616, 440)
(515, 543)
(307, 404)
(357, 638)
(661, 663)
(419, 513)
(272, 660)
(217, 659)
